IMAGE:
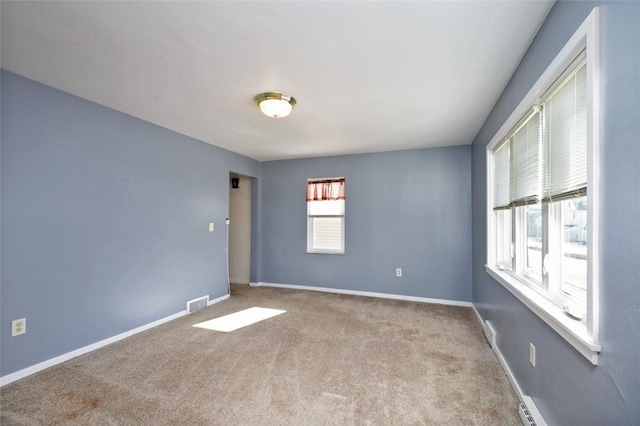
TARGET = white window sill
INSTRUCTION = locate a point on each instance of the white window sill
(325, 252)
(574, 332)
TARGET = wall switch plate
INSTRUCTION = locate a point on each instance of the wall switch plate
(532, 354)
(212, 226)
(18, 327)
(398, 272)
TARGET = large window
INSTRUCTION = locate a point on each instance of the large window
(325, 215)
(542, 195)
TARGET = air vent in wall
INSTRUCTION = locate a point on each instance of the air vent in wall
(194, 305)
(490, 333)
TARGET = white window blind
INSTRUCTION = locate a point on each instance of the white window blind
(565, 115)
(517, 166)
(525, 176)
(327, 233)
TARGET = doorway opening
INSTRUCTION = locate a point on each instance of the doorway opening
(240, 228)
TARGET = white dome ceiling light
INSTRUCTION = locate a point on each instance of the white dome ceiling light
(275, 104)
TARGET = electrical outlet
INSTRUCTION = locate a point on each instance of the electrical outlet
(532, 354)
(398, 272)
(211, 226)
(18, 327)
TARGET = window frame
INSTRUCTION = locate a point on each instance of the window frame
(310, 225)
(583, 336)
(500, 227)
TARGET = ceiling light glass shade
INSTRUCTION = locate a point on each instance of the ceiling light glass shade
(274, 104)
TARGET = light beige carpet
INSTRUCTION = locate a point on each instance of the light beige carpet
(329, 360)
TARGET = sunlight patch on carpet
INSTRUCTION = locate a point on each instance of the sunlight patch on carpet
(239, 319)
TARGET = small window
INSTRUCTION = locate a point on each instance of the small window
(325, 215)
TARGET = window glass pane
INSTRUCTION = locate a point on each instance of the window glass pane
(574, 249)
(501, 179)
(533, 253)
(325, 208)
(503, 238)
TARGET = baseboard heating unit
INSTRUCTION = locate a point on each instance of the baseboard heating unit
(529, 413)
(194, 305)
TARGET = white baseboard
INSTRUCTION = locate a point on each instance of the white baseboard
(533, 411)
(366, 293)
(526, 399)
(20, 374)
(218, 299)
(503, 362)
(478, 316)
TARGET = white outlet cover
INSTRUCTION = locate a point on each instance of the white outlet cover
(18, 327)
(532, 354)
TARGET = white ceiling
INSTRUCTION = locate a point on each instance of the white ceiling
(368, 76)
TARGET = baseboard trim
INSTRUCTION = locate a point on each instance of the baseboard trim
(20, 374)
(236, 281)
(481, 322)
(218, 299)
(525, 399)
(503, 362)
(478, 316)
(366, 294)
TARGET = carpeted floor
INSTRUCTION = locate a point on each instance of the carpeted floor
(329, 360)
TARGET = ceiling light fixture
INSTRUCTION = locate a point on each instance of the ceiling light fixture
(275, 104)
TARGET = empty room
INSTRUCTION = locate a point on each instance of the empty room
(320, 212)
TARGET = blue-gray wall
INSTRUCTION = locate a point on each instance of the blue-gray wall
(408, 209)
(104, 221)
(565, 386)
